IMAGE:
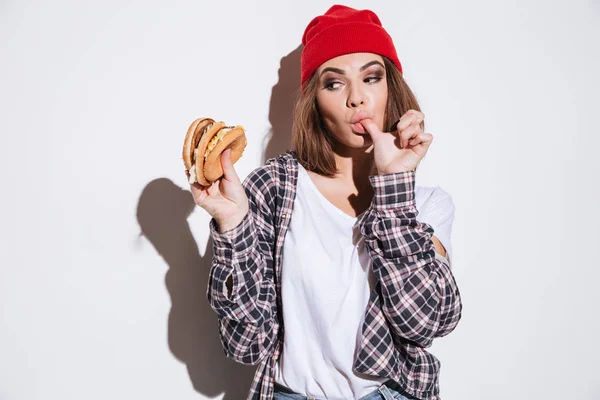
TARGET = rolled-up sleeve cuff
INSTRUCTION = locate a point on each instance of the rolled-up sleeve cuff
(393, 191)
(235, 242)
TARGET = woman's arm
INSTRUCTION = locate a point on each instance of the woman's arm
(241, 288)
(439, 247)
(419, 293)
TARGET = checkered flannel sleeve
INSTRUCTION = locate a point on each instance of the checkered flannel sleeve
(419, 293)
(244, 255)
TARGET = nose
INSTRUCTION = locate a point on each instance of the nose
(356, 97)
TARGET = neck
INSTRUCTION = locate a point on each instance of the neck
(354, 166)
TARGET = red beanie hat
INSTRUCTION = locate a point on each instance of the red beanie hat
(344, 30)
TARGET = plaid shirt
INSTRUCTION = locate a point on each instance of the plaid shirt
(414, 301)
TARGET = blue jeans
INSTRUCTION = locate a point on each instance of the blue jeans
(387, 391)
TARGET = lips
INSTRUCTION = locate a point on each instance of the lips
(359, 116)
(358, 128)
(355, 121)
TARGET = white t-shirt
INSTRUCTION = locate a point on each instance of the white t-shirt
(325, 286)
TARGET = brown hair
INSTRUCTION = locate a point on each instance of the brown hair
(311, 141)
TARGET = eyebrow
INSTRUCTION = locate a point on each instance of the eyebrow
(341, 71)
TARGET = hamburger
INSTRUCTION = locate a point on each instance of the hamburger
(204, 142)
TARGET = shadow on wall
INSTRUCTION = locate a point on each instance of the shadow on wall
(193, 333)
(162, 214)
(279, 137)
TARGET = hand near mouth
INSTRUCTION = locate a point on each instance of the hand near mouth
(401, 150)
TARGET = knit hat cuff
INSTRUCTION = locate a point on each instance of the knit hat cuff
(346, 38)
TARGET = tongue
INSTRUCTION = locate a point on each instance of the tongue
(359, 128)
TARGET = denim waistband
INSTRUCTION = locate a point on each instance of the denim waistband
(379, 393)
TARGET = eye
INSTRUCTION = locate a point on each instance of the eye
(372, 79)
(330, 85)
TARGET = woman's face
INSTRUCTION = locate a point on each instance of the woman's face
(350, 88)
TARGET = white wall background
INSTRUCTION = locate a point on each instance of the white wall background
(95, 100)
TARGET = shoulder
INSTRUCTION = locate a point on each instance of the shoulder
(268, 177)
(436, 208)
(282, 163)
(434, 199)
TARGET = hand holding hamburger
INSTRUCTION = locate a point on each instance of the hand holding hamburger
(204, 142)
(209, 151)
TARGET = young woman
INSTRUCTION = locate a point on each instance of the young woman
(331, 269)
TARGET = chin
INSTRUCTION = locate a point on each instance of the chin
(357, 143)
